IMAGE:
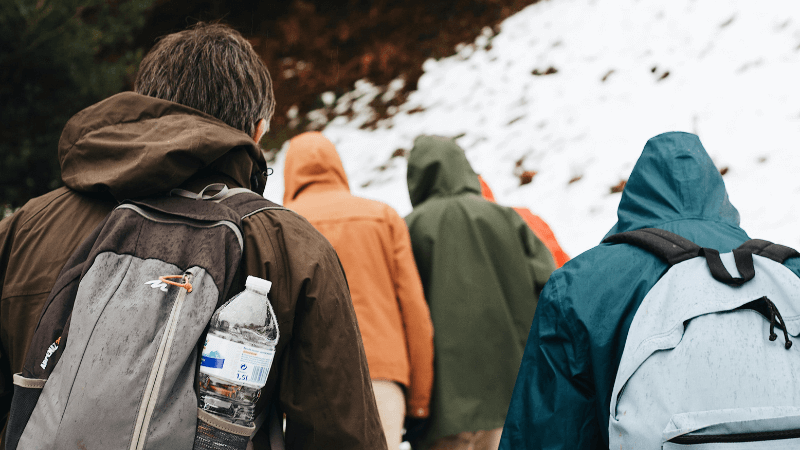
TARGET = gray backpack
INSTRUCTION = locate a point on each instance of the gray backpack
(113, 360)
(709, 362)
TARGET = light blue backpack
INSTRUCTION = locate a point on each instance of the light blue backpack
(709, 362)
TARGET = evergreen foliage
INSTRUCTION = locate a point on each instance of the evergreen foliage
(56, 58)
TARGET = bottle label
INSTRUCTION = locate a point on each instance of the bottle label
(236, 363)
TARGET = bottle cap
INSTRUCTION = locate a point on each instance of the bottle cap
(259, 285)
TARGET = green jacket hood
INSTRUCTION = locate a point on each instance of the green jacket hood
(130, 145)
(674, 179)
(438, 167)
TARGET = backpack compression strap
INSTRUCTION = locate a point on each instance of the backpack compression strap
(674, 249)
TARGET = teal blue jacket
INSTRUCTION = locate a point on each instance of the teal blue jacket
(563, 390)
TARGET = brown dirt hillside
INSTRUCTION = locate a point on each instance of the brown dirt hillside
(315, 46)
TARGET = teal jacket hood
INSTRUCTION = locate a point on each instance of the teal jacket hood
(674, 179)
(438, 167)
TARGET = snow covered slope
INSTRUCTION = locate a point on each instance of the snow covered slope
(572, 89)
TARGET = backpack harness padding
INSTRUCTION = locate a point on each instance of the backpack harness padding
(674, 249)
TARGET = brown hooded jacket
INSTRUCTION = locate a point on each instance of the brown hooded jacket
(130, 146)
(373, 243)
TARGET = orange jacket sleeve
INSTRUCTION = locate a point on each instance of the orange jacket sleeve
(416, 320)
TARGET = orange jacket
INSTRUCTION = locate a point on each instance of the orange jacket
(375, 250)
(538, 226)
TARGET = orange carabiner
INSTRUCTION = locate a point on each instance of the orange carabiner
(186, 285)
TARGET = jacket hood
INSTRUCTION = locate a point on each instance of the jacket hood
(131, 145)
(438, 167)
(312, 164)
(674, 179)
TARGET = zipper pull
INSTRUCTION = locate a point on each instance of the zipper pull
(186, 278)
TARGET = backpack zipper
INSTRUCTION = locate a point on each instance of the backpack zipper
(156, 377)
(734, 438)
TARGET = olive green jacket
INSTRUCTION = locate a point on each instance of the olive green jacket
(482, 269)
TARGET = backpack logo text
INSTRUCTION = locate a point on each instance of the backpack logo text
(157, 284)
(50, 350)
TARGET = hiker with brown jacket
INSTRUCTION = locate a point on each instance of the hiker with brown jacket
(373, 243)
(203, 101)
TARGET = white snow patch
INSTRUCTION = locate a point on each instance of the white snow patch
(626, 71)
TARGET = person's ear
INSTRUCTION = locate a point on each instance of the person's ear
(261, 128)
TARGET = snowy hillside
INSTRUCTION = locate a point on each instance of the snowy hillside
(572, 89)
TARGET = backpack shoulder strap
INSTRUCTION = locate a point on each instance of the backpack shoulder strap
(246, 202)
(668, 246)
(674, 249)
(776, 252)
(242, 201)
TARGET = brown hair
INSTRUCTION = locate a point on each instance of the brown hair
(212, 68)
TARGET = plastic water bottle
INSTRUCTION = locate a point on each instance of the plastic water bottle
(238, 354)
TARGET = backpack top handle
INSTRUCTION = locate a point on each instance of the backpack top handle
(744, 264)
